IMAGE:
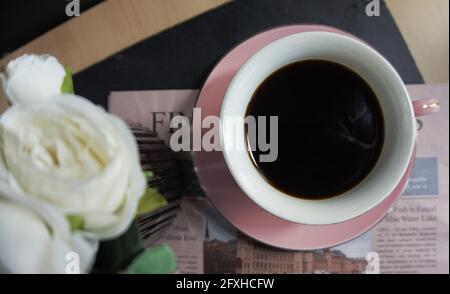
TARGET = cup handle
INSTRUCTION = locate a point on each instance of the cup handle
(425, 106)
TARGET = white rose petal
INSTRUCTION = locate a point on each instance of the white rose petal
(68, 152)
(32, 78)
(35, 238)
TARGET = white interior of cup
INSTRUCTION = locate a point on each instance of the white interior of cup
(399, 121)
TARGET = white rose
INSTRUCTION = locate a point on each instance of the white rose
(71, 153)
(32, 78)
(35, 238)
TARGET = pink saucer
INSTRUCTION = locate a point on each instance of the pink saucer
(229, 199)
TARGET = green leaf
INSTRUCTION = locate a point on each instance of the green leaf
(150, 201)
(148, 174)
(156, 260)
(67, 84)
(76, 222)
(115, 255)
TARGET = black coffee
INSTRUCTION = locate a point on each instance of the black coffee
(330, 128)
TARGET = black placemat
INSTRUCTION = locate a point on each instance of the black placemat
(181, 57)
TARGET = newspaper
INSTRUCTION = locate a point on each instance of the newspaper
(412, 238)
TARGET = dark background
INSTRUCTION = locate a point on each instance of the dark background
(182, 57)
(23, 20)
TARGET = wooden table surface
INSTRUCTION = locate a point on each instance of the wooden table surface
(116, 24)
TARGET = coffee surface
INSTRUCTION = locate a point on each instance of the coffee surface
(330, 128)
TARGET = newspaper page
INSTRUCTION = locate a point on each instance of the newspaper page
(412, 238)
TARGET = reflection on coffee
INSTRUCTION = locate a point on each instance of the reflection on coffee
(330, 127)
